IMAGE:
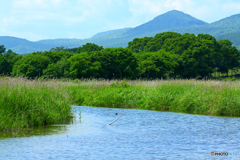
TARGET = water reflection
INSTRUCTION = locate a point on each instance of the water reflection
(48, 130)
(39, 131)
(139, 134)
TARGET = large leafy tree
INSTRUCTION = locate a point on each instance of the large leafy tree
(57, 70)
(139, 44)
(116, 63)
(230, 56)
(156, 64)
(155, 44)
(58, 49)
(57, 56)
(81, 66)
(11, 57)
(2, 49)
(89, 47)
(31, 66)
(5, 66)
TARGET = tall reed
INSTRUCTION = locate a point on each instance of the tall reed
(216, 98)
(29, 103)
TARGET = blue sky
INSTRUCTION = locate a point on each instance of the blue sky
(49, 19)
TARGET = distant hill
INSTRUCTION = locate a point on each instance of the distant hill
(20, 45)
(227, 25)
(66, 42)
(175, 21)
(111, 32)
(169, 20)
(233, 37)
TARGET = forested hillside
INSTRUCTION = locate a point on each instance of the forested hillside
(166, 55)
(233, 37)
(224, 26)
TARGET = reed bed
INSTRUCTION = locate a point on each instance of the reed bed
(28, 103)
(217, 98)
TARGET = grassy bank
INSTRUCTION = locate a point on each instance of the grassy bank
(216, 98)
(28, 103)
(25, 103)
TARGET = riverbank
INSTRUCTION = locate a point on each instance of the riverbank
(216, 98)
(30, 103)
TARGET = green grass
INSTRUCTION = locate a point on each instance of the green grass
(26, 104)
(217, 98)
(30, 103)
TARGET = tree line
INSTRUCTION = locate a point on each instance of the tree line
(168, 54)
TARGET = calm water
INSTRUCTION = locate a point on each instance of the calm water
(139, 134)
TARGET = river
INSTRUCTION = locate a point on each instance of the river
(139, 134)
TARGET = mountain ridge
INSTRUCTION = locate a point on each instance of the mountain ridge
(174, 21)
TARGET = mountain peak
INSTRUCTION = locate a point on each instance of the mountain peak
(174, 15)
(167, 21)
(174, 12)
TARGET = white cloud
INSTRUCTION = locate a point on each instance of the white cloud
(30, 4)
(10, 21)
(37, 18)
(178, 4)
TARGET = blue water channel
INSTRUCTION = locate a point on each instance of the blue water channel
(139, 134)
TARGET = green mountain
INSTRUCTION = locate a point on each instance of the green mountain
(20, 45)
(121, 37)
(233, 37)
(227, 25)
(175, 21)
(169, 20)
(111, 32)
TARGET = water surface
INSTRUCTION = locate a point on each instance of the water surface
(139, 134)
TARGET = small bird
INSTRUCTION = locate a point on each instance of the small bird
(116, 113)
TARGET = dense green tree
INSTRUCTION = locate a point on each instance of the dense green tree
(5, 66)
(156, 43)
(81, 66)
(31, 66)
(52, 71)
(116, 63)
(89, 47)
(139, 44)
(9, 55)
(57, 70)
(156, 64)
(168, 54)
(56, 56)
(230, 56)
(57, 49)
(73, 50)
(2, 49)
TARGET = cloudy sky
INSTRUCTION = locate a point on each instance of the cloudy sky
(49, 19)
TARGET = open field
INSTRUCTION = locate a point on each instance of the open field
(28, 103)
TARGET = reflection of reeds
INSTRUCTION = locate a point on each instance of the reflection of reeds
(80, 116)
